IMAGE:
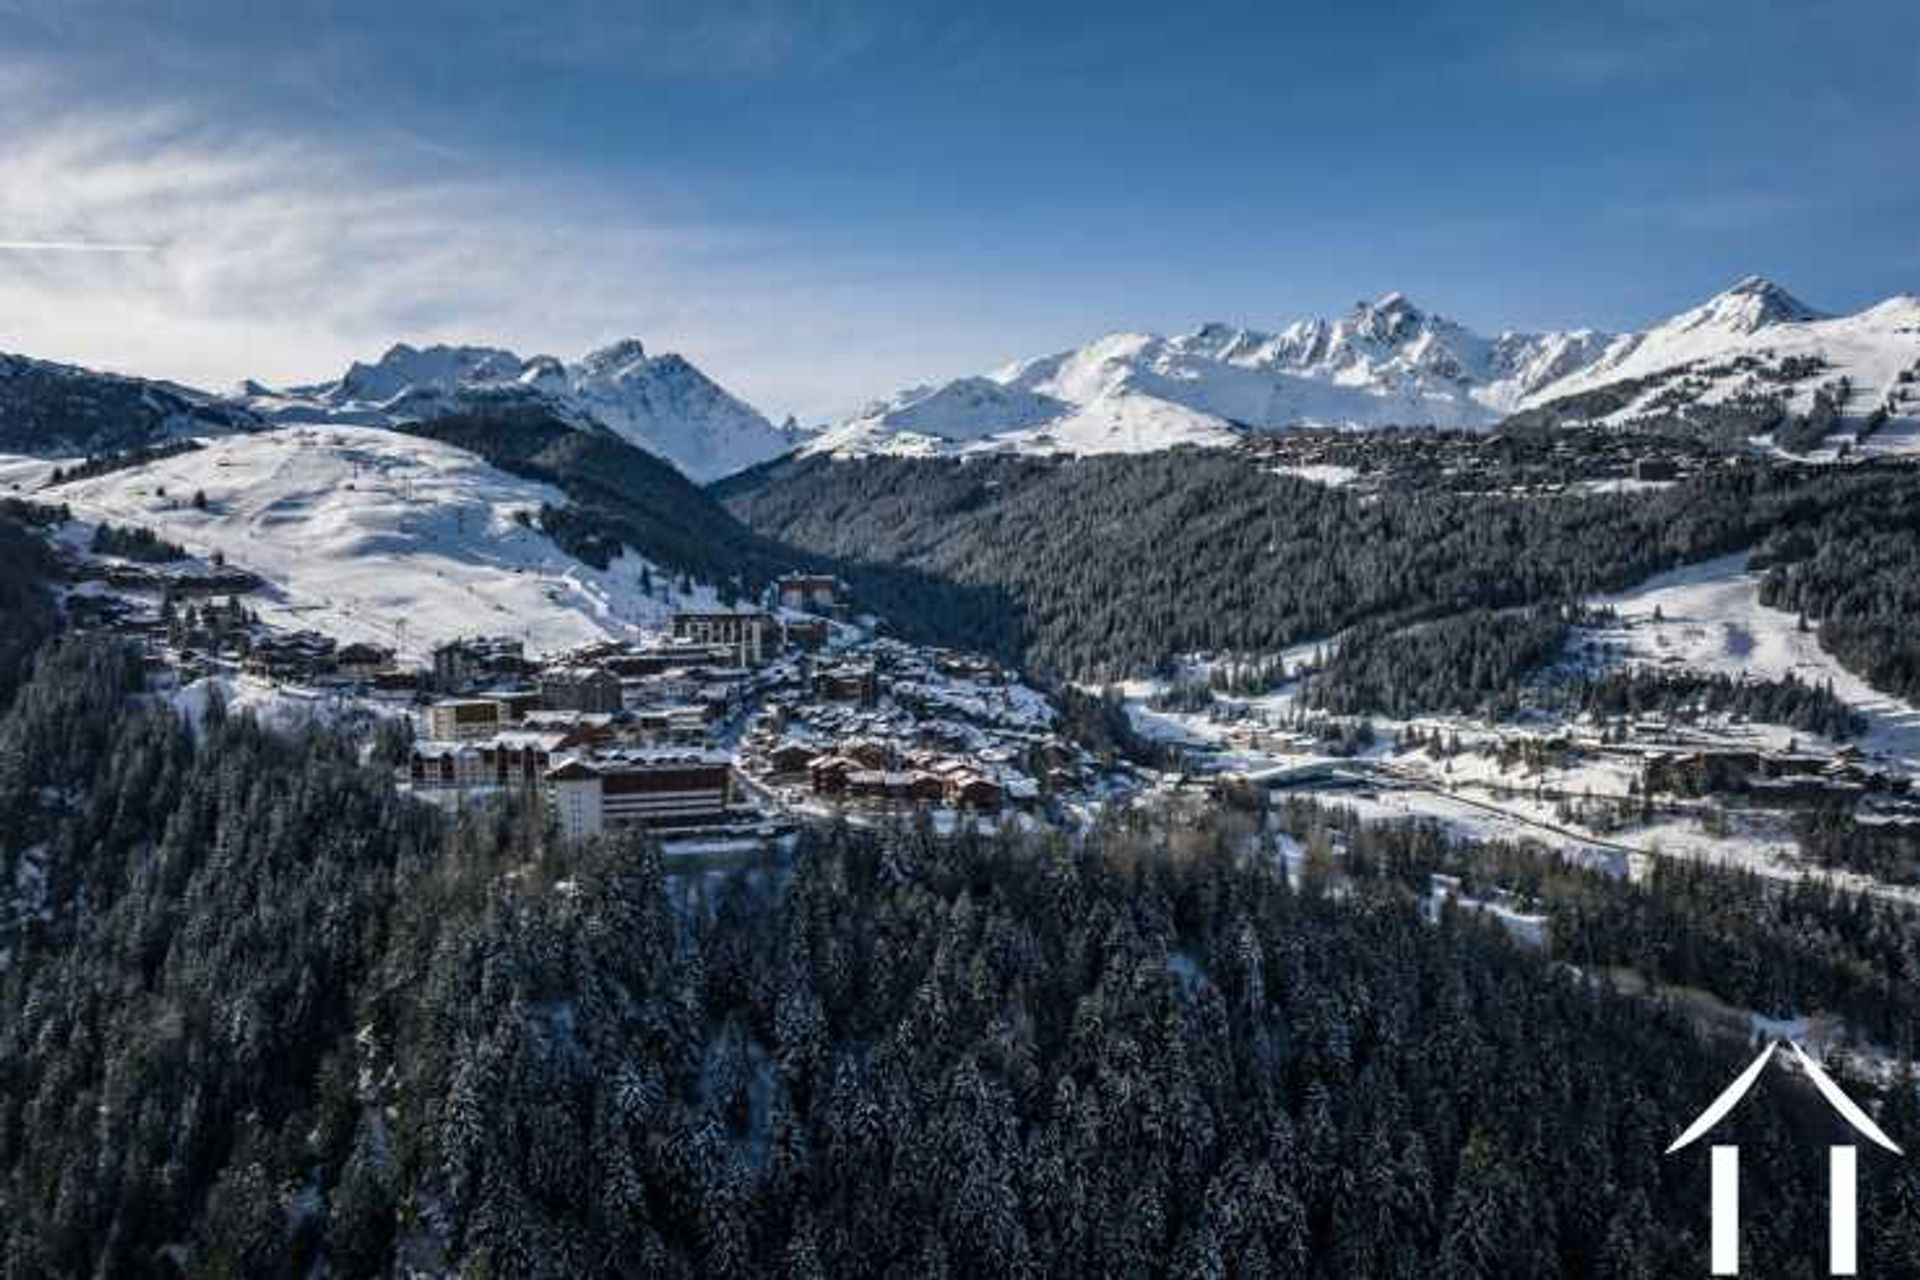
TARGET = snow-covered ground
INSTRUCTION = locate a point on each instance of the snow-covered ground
(282, 706)
(1709, 618)
(1759, 321)
(20, 476)
(1704, 617)
(662, 403)
(369, 534)
(1388, 362)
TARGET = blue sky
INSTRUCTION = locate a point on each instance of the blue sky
(819, 202)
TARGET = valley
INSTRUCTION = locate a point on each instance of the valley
(1610, 710)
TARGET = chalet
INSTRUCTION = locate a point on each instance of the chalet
(515, 704)
(811, 592)
(629, 663)
(639, 788)
(968, 790)
(870, 753)
(807, 633)
(791, 757)
(518, 759)
(298, 655)
(444, 766)
(967, 666)
(466, 664)
(895, 785)
(847, 683)
(751, 636)
(583, 728)
(580, 689)
(363, 661)
(828, 773)
(463, 719)
(511, 760)
(397, 685)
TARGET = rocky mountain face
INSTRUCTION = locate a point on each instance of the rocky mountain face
(662, 403)
(1389, 362)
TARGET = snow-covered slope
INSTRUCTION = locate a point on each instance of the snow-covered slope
(1385, 362)
(1756, 341)
(369, 534)
(1390, 362)
(661, 403)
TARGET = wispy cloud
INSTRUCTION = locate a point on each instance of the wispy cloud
(73, 246)
(160, 242)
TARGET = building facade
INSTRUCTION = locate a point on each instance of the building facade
(580, 689)
(463, 719)
(650, 789)
(750, 636)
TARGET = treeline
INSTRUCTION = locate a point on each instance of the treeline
(1806, 432)
(108, 463)
(622, 496)
(136, 542)
(1111, 565)
(1854, 572)
(1631, 692)
(1476, 661)
(272, 1018)
(1836, 839)
(1782, 948)
(27, 612)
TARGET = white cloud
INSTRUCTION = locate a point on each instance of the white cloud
(282, 257)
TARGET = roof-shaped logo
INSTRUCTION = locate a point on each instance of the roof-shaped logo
(1730, 1098)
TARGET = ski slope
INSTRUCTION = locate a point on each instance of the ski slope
(369, 534)
(1708, 617)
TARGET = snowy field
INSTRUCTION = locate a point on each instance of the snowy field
(1711, 619)
(368, 534)
(21, 476)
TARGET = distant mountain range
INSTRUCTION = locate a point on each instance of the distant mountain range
(1389, 362)
(662, 403)
(1743, 358)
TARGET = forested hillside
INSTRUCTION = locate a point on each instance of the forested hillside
(273, 1016)
(622, 494)
(1855, 572)
(1114, 564)
(27, 614)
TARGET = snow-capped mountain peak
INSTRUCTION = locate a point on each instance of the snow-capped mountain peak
(1747, 307)
(1384, 362)
(662, 403)
(438, 367)
(1388, 361)
(1390, 318)
(610, 360)
(1755, 349)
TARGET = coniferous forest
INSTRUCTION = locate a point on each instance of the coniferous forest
(266, 1016)
(813, 640)
(1113, 565)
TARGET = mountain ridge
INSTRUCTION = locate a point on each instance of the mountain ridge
(1390, 362)
(663, 403)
